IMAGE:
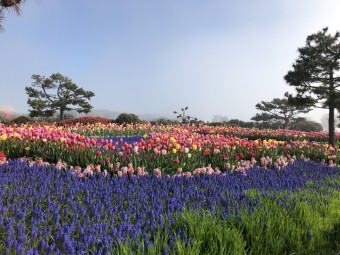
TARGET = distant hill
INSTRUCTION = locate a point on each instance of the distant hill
(102, 113)
(113, 115)
(109, 114)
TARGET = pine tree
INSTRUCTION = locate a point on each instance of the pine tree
(316, 76)
(56, 93)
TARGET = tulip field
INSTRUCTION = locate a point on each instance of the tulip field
(167, 189)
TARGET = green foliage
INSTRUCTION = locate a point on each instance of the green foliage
(240, 123)
(21, 120)
(164, 121)
(306, 125)
(56, 93)
(5, 121)
(127, 118)
(316, 76)
(67, 116)
(219, 124)
(2, 118)
(196, 122)
(306, 228)
(209, 235)
(278, 112)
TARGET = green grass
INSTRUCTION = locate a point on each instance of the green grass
(309, 228)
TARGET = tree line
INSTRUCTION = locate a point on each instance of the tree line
(315, 75)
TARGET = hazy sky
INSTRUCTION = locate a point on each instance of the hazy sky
(154, 57)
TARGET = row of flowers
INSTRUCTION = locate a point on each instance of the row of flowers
(112, 130)
(183, 147)
(118, 170)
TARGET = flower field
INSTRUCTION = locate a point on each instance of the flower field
(154, 189)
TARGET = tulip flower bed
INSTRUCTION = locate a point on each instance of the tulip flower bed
(45, 209)
(166, 148)
(112, 130)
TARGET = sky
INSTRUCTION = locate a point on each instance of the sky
(156, 56)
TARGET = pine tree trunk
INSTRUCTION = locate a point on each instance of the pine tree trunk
(285, 124)
(61, 114)
(331, 137)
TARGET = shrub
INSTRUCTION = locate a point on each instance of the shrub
(165, 121)
(306, 125)
(21, 120)
(219, 124)
(5, 121)
(127, 118)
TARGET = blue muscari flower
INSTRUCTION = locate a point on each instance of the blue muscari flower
(147, 244)
(22, 239)
(265, 227)
(166, 251)
(19, 247)
(32, 251)
(91, 210)
(67, 246)
(309, 235)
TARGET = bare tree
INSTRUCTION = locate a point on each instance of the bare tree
(184, 118)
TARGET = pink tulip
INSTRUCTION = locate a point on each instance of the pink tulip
(124, 170)
(97, 169)
(116, 166)
(157, 172)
